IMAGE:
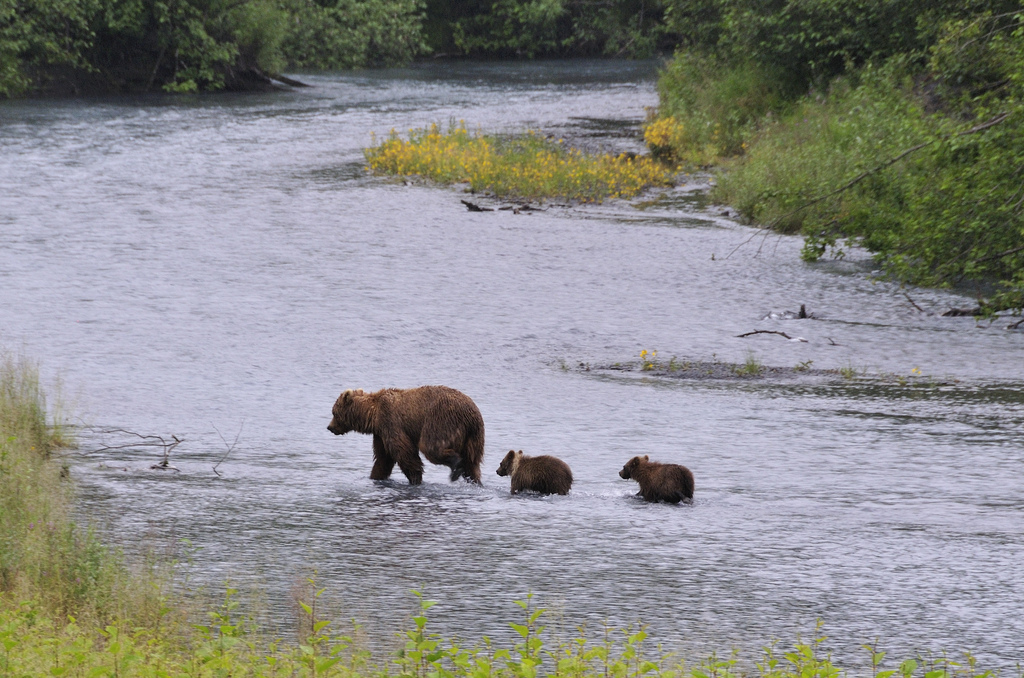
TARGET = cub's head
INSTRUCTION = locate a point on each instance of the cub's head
(631, 466)
(509, 463)
(344, 418)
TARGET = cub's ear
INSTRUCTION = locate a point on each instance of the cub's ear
(646, 458)
(519, 453)
(346, 397)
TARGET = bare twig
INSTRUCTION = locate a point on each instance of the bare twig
(1013, 326)
(230, 447)
(145, 441)
(781, 334)
(913, 303)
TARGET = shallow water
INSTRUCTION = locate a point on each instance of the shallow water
(216, 266)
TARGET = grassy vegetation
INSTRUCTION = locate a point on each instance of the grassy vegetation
(710, 109)
(45, 558)
(527, 167)
(34, 646)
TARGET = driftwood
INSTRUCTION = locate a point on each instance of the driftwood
(145, 441)
(473, 207)
(960, 312)
(781, 334)
(291, 82)
(914, 304)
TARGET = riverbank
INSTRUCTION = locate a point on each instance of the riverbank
(914, 151)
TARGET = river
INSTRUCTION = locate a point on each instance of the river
(222, 267)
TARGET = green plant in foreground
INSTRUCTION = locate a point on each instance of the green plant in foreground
(648, 360)
(752, 367)
(803, 366)
(848, 372)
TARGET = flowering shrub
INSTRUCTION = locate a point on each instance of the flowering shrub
(528, 167)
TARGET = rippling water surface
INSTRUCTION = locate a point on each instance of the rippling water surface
(216, 266)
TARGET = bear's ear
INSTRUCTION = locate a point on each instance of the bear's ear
(346, 397)
(646, 458)
(519, 453)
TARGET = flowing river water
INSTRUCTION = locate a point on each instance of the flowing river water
(222, 266)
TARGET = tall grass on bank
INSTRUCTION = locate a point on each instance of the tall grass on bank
(47, 561)
(709, 109)
(227, 647)
(528, 167)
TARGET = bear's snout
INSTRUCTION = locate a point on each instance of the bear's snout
(334, 428)
(624, 474)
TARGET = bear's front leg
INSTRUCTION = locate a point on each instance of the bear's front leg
(383, 463)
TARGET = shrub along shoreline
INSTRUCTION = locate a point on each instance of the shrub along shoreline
(906, 139)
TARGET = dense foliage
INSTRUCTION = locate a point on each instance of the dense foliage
(872, 122)
(69, 46)
(72, 46)
(514, 28)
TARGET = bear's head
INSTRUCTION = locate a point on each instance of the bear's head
(631, 466)
(346, 417)
(510, 463)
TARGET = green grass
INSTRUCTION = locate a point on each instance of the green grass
(710, 110)
(752, 367)
(59, 567)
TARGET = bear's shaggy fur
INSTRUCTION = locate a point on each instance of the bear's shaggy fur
(544, 474)
(659, 482)
(442, 423)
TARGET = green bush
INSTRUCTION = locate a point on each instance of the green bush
(938, 199)
(718, 105)
(352, 33)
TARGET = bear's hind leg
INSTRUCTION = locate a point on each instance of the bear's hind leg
(412, 468)
(408, 458)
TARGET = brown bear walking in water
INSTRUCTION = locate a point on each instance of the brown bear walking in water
(442, 423)
(544, 474)
(659, 482)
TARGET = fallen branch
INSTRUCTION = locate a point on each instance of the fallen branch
(960, 312)
(473, 207)
(230, 447)
(781, 334)
(144, 441)
(913, 303)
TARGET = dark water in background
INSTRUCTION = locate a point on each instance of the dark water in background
(195, 265)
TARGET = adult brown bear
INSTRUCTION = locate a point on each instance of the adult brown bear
(544, 474)
(659, 482)
(442, 423)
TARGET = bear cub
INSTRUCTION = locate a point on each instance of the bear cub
(543, 474)
(440, 422)
(671, 483)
